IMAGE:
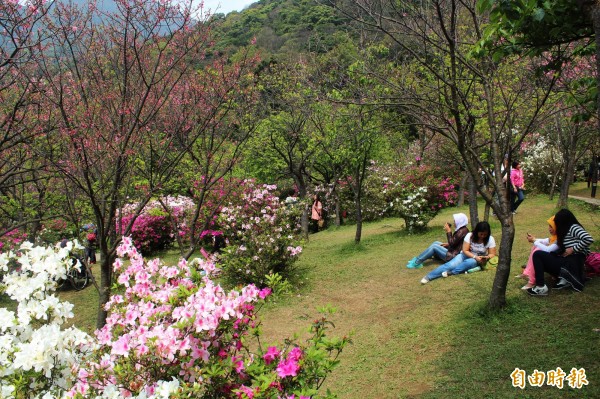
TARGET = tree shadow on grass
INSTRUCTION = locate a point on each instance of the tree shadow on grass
(529, 334)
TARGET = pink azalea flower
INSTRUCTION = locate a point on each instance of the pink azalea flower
(272, 354)
(295, 354)
(288, 368)
(265, 292)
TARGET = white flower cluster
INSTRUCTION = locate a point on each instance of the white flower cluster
(413, 209)
(34, 348)
(38, 355)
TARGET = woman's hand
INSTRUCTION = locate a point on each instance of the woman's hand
(568, 251)
(530, 238)
(481, 259)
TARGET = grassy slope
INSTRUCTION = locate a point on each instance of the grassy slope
(431, 341)
(434, 341)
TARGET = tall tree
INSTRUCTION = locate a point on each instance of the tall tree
(111, 82)
(286, 134)
(554, 26)
(464, 99)
(21, 43)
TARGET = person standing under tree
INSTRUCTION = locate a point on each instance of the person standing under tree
(517, 181)
(316, 213)
(90, 247)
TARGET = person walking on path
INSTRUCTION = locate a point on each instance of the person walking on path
(444, 251)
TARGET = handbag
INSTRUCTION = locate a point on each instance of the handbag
(321, 223)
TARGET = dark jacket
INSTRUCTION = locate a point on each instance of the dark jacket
(455, 242)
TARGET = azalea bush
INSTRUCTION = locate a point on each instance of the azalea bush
(37, 351)
(53, 231)
(415, 193)
(12, 240)
(540, 167)
(155, 228)
(171, 332)
(262, 236)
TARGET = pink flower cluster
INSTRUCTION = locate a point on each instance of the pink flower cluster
(151, 322)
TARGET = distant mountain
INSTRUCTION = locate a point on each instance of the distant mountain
(282, 27)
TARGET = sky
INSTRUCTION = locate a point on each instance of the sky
(226, 6)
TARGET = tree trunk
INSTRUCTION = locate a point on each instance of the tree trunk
(105, 284)
(304, 219)
(567, 178)
(357, 204)
(498, 295)
(569, 158)
(338, 217)
(553, 185)
(473, 211)
(461, 188)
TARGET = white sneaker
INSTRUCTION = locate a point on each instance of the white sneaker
(538, 291)
(424, 280)
(444, 274)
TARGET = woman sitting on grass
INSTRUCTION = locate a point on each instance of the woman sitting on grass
(540, 244)
(442, 251)
(478, 247)
(566, 263)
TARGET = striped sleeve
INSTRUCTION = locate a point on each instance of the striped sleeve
(578, 239)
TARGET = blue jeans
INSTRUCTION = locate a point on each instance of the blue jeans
(434, 250)
(516, 199)
(459, 264)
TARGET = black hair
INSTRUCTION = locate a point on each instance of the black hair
(564, 219)
(481, 227)
(515, 164)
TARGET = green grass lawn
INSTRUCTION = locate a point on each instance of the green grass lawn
(435, 340)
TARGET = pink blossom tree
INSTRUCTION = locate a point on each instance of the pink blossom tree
(117, 86)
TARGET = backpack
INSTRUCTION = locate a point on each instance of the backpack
(592, 264)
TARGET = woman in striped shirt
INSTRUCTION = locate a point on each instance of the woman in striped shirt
(566, 263)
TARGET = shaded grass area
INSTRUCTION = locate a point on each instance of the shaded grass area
(438, 340)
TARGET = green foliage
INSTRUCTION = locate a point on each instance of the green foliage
(282, 27)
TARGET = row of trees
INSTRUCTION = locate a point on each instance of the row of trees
(102, 109)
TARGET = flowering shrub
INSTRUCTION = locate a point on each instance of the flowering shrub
(414, 193)
(12, 240)
(262, 237)
(37, 353)
(171, 332)
(53, 231)
(414, 208)
(175, 333)
(541, 166)
(153, 229)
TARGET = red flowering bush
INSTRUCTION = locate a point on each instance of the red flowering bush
(12, 240)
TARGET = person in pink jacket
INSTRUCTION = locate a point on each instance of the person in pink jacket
(539, 244)
(517, 182)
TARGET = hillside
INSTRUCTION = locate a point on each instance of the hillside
(282, 27)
